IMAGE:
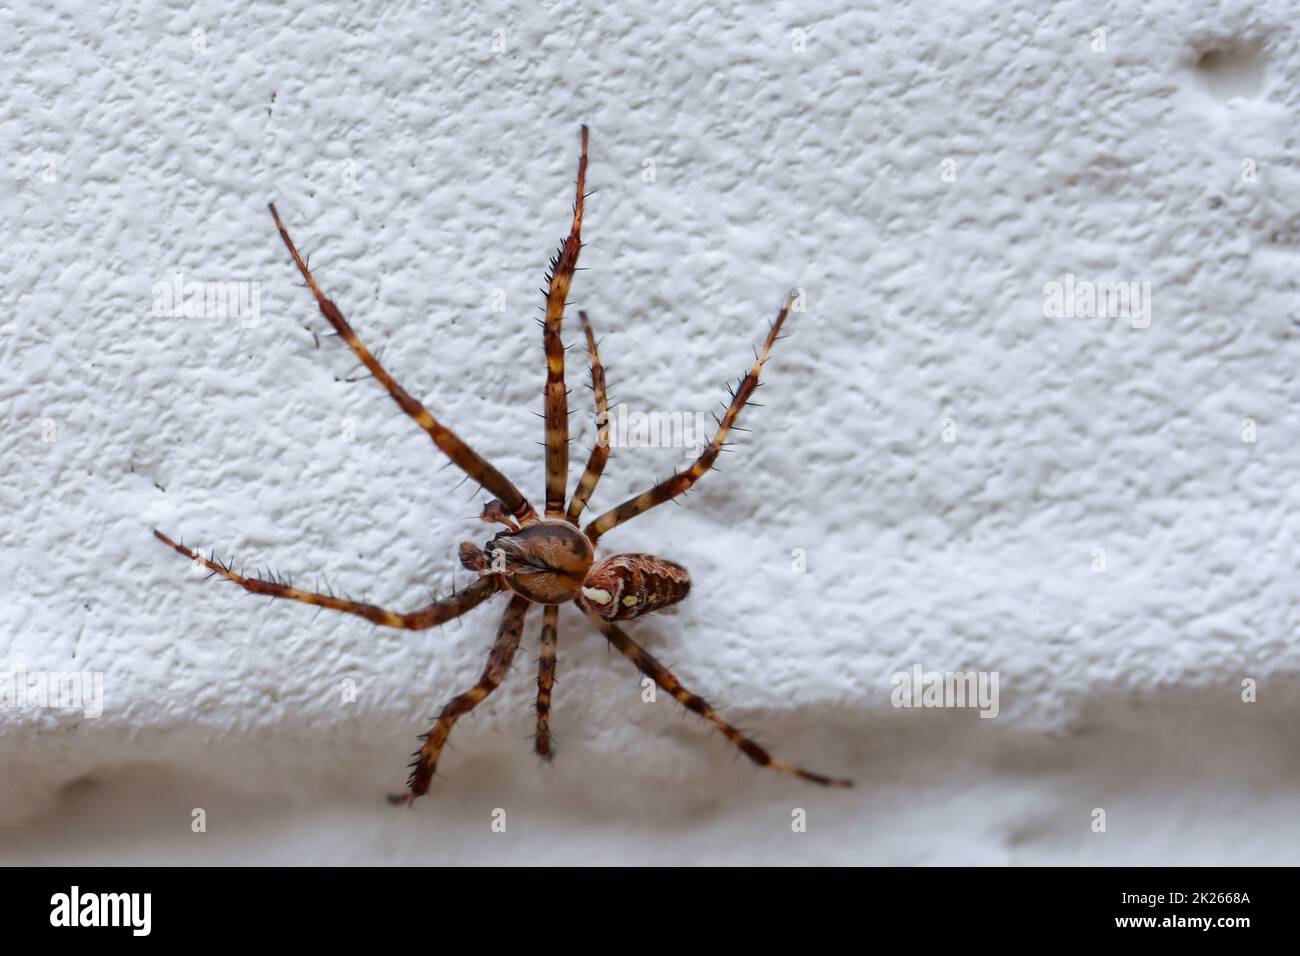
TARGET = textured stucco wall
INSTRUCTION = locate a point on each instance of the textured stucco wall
(426, 171)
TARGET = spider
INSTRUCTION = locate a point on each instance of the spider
(547, 559)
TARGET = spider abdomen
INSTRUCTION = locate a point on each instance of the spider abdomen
(625, 586)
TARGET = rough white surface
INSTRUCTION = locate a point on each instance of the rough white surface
(424, 171)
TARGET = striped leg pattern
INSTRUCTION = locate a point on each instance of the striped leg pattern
(546, 680)
(498, 665)
(452, 606)
(557, 396)
(557, 556)
(600, 451)
(452, 446)
(671, 487)
(664, 678)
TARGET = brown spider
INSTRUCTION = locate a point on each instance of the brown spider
(541, 560)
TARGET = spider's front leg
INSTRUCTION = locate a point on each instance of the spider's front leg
(563, 266)
(600, 451)
(648, 665)
(432, 615)
(498, 665)
(469, 461)
(671, 487)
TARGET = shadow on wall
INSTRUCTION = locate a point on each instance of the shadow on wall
(1182, 776)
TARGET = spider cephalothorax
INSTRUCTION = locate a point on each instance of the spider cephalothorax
(550, 562)
(543, 559)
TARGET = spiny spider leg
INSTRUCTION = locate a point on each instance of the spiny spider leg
(671, 487)
(647, 664)
(600, 451)
(498, 664)
(452, 446)
(452, 606)
(546, 679)
(557, 400)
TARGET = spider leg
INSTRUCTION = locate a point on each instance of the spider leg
(557, 401)
(600, 451)
(474, 465)
(546, 679)
(649, 666)
(452, 606)
(671, 487)
(498, 664)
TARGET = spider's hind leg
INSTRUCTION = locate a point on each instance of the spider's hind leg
(664, 678)
(498, 664)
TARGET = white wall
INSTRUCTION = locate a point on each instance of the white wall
(423, 171)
